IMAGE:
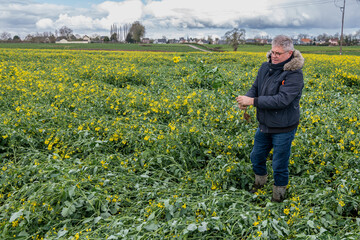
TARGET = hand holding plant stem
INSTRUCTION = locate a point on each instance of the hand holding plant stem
(243, 102)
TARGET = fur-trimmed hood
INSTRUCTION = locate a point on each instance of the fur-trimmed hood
(296, 63)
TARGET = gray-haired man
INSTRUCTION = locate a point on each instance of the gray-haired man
(275, 93)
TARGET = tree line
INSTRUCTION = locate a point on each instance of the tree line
(133, 33)
(130, 33)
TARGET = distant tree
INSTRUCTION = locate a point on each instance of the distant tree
(65, 32)
(125, 31)
(129, 38)
(72, 37)
(95, 36)
(323, 37)
(106, 39)
(357, 35)
(114, 37)
(16, 38)
(5, 36)
(303, 35)
(28, 38)
(52, 38)
(115, 33)
(235, 37)
(210, 40)
(137, 31)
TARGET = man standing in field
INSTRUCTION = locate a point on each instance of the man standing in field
(275, 93)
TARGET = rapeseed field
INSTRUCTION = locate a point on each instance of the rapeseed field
(139, 145)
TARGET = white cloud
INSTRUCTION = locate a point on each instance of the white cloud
(77, 22)
(177, 16)
(120, 12)
(45, 23)
(113, 12)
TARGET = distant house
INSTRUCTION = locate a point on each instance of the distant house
(62, 41)
(145, 40)
(296, 41)
(173, 41)
(47, 40)
(305, 41)
(261, 41)
(86, 38)
(250, 41)
(160, 41)
(320, 42)
(202, 41)
(182, 40)
(334, 41)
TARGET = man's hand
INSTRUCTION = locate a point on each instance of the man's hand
(242, 107)
(244, 101)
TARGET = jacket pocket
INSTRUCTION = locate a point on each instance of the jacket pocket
(276, 118)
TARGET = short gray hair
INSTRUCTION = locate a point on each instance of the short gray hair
(283, 41)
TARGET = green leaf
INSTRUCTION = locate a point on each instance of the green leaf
(23, 234)
(67, 211)
(151, 217)
(97, 219)
(72, 191)
(151, 227)
(203, 227)
(112, 237)
(61, 233)
(16, 215)
(310, 224)
(192, 227)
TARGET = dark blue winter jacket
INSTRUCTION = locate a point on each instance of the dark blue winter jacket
(277, 92)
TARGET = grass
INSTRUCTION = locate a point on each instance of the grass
(328, 50)
(103, 46)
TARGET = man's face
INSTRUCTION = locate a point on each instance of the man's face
(278, 55)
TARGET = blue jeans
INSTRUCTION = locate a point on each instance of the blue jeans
(281, 142)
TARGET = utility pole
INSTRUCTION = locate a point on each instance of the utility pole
(342, 27)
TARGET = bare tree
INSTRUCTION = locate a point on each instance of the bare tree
(235, 37)
(65, 32)
(118, 32)
(303, 35)
(323, 37)
(5, 36)
(114, 33)
(95, 37)
(357, 35)
(126, 29)
(29, 38)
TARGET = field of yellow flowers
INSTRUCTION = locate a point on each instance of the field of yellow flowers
(135, 145)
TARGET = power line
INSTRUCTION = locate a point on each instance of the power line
(300, 4)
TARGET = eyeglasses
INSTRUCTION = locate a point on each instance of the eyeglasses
(277, 54)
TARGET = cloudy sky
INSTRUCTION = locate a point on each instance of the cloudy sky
(180, 18)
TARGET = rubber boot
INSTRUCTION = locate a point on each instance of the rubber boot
(260, 181)
(278, 193)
